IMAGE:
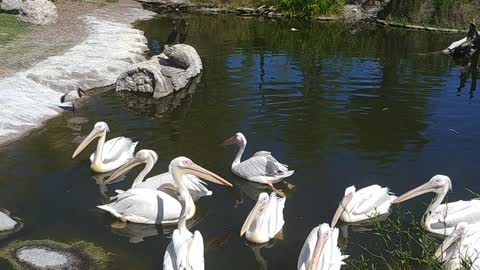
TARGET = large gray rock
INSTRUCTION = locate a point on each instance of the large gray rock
(164, 74)
(11, 6)
(40, 12)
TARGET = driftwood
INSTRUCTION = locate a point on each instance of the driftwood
(466, 46)
(169, 72)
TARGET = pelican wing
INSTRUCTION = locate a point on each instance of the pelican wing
(460, 211)
(275, 214)
(116, 148)
(370, 199)
(261, 164)
(185, 252)
(195, 185)
(307, 249)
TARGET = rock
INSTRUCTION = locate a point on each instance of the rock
(11, 6)
(50, 255)
(164, 74)
(352, 13)
(6, 222)
(40, 12)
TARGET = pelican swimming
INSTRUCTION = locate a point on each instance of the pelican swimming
(151, 206)
(185, 251)
(440, 218)
(109, 155)
(363, 204)
(195, 185)
(320, 251)
(262, 168)
(460, 248)
(265, 220)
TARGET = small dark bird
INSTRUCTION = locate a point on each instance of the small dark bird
(183, 32)
(173, 35)
(72, 96)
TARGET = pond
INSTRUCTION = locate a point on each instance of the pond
(340, 105)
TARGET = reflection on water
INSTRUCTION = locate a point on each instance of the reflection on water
(341, 107)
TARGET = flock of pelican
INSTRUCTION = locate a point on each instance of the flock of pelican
(169, 198)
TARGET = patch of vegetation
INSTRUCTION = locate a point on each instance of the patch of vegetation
(450, 13)
(11, 28)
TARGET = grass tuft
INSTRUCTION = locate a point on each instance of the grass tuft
(11, 28)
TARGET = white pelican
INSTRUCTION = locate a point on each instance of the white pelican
(185, 251)
(461, 248)
(363, 204)
(110, 155)
(440, 218)
(194, 184)
(320, 251)
(265, 220)
(262, 168)
(72, 96)
(150, 206)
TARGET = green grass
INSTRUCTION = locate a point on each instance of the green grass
(11, 28)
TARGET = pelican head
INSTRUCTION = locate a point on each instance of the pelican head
(262, 202)
(100, 129)
(439, 184)
(144, 156)
(458, 235)
(238, 139)
(349, 192)
(323, 234)
(183, 165)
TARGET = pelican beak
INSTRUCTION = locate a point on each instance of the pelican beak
(340, 209)
(205, 174)
(93, 134)
(450, 240)
(317, 252)
(229, 141)
(251, 217)
(425, 188)
(125, 168)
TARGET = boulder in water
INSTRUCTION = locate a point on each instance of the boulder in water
(40, 12)
(8, 225)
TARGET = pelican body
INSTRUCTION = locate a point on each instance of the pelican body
(262, 167)
(185, 251)
(150, 206)
(461, 248)
(441, 219)
(195, 185)
(265, 220)
(363, 204)
(110, 155)
(320, 251)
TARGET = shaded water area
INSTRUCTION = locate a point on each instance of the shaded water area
(341, 106)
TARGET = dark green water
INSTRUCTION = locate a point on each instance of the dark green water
(341, 106)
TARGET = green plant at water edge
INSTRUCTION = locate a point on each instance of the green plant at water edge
(11, 28)
(310, 8)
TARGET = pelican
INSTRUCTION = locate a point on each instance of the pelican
(262, 168)
(72, 96)
(185, 251)
(265, 220)
(151, 206)
(194, 184)
(363, 204)
(441, 219)
(460, 248)
(320, 251)
(110, 155)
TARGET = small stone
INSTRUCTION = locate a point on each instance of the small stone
(6, 222)
(11, 6)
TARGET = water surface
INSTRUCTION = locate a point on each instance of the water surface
(339, 105)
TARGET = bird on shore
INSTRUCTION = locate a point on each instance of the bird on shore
(441, 219)
(265, 220)
(152, 206)
(72, 96)
(109, 155)
(320, 250)
(195, 185)
(363, 204)
(262, 167)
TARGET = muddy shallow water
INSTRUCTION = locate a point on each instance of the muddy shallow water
(339, 105)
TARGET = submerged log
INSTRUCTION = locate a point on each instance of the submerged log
(169, 72)
(466, 46)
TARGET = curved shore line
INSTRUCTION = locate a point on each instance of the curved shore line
(32, 96)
